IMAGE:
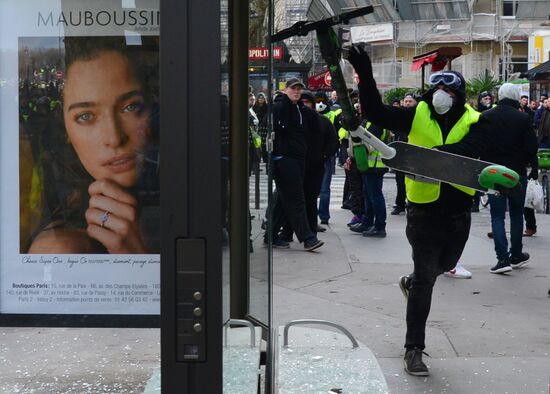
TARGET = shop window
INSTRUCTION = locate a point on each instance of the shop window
(519, 64)
(509, 8)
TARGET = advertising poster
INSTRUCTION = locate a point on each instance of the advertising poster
(79, 157)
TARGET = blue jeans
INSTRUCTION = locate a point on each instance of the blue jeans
(498, 213)
(324, 195)
(375, 205)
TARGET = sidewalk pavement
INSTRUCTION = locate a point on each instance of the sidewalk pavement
(77, 360)
(488, 334)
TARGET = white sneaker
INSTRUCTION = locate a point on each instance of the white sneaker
(458, 272)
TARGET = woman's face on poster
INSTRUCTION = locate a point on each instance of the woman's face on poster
(106, 118)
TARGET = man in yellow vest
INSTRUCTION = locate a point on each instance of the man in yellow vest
(373, 220)
(438, 215)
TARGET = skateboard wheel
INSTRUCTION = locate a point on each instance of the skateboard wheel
(498, 175)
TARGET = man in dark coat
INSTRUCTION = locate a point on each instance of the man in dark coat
(322, 143)
(322, 146)
(292, 123)
(516, 148)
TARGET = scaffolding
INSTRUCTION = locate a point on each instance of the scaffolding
(492, 29)
(287, 13)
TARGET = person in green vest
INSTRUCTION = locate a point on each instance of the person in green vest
(373, 221)
(438, 215)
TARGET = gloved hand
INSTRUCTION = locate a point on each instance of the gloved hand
(514, 191)
(533, 174)
(347, 164)
(360, 61)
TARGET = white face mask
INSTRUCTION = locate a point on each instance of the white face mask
(357, 106)
(320, 107)
(442, 102)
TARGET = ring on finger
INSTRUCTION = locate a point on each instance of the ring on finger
(104, 217)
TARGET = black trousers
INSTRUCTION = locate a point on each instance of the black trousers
(437, 243)
(401, 194)
(354, 197)
(476, 199)
(290, 204)
(312, 188)
(530, 221)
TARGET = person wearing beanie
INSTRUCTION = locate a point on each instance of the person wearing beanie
(485, 101)
(438, 214)
(322, 106)
(409, 100)
(516, 149)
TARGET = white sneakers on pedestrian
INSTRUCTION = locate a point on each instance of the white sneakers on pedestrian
(458, 272)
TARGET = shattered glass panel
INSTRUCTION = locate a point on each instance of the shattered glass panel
(320, 361)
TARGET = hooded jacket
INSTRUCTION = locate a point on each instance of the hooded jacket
(543, 129)
(517, 143)
(292, 124)
(480, 107)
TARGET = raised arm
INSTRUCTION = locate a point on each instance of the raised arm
(393, 118)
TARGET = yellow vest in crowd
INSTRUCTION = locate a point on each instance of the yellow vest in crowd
(374, 159)
(331, 115)
(426, 132)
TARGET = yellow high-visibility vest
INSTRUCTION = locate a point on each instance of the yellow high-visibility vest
(374, 159)
(332, 115)
(426, 132)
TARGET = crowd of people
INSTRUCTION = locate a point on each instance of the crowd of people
(503, 128)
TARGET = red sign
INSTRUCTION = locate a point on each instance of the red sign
(328, 79)
(262, 53)
(59, 74)
(320, 81)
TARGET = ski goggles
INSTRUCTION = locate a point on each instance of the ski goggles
(484, 94)
(452, 81)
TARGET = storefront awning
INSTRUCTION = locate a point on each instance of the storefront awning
(437, 58)
(542, 71)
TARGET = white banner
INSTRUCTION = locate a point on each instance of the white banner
(79, 190)
(372, 33)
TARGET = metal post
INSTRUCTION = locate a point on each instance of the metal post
(257, 185)
(423, 75)
(270, 352)
(191, 241)
(238, 107)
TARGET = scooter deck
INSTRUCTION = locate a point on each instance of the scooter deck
(437, 165)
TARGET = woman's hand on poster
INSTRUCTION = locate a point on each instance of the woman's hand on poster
(112, 218)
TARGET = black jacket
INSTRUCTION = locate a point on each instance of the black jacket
(330, 137)
(543, 129)
(291, 124)
(321, 144)
(516, 143)
(451, 200)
